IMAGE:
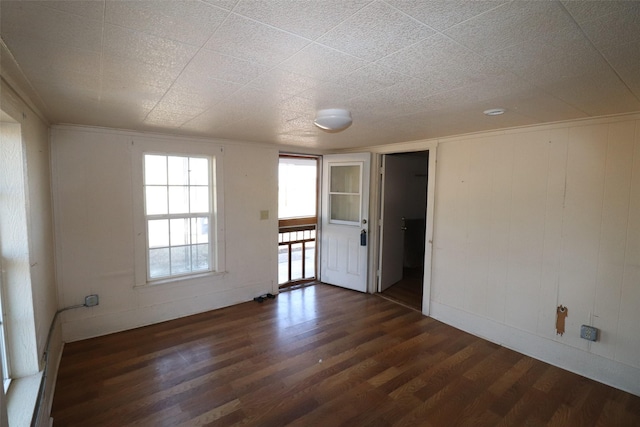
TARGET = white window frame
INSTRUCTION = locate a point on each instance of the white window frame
(168, 216)
(4, 354)
(357, 222)
(215, 154)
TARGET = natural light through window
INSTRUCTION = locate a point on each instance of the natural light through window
(296, 192)
(179, 214)
(297, 218)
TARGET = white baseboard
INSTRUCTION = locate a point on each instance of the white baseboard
(80, 328)
(595, 367)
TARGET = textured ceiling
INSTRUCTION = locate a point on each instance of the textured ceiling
(257, 70)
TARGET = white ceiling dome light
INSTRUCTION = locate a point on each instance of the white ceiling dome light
(333, 119)
(494, 111)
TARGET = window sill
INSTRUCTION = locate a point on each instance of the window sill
(21, 399)
(179, 279)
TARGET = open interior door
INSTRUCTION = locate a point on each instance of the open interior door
(345, 220)
(393, 227)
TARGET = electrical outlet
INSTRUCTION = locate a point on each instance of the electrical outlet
(589, 333)
(91, 300)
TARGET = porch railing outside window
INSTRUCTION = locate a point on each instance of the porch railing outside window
(297, 218)
(296, 253)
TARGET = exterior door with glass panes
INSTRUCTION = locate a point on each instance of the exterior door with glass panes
(345, 220)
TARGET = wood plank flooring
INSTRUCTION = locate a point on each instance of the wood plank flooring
(320, 356)
(407, 291)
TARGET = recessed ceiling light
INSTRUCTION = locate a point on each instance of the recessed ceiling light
(494, 111)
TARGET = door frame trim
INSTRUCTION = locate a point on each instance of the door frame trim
(376, 212)
(298, 221)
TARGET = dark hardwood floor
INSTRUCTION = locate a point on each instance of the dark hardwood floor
(320, 356)
(407, 291)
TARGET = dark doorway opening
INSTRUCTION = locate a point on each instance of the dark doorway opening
(404, 211)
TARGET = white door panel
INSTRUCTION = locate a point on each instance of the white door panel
(353, 256)
(345, 215)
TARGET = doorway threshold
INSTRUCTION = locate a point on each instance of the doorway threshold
(297, 285)
(388, 298)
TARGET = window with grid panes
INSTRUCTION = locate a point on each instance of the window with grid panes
(179, 214)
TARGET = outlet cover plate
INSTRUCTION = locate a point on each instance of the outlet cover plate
(91, 300)
(589, 333)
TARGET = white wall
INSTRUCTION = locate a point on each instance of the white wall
(17, 297)
(93, 202)
(525, 220)
(39, 302)
(528, 219)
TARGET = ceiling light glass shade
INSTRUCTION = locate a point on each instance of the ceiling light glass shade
(333, 119)
(494, 111)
